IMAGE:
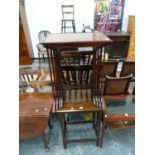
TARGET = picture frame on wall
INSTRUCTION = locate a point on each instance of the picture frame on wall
(108, 15)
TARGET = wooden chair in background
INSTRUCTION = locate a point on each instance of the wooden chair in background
(68, 17)
(129, 68)
(33, 81)
(41, 50)
(115, 88)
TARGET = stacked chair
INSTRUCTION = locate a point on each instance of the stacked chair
(117, 87)
(68, 18)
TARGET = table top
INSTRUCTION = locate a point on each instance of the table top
(35, 104)
(94, 39)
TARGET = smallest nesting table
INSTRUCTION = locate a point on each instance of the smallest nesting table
(34, 112)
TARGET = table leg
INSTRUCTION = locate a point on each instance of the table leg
(44, 138)
(62, 124)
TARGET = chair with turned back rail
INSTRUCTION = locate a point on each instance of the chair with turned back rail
(106, 68)
(33, 81)
(42, 35)
(129, 68)
(26, 76)
(116, 98)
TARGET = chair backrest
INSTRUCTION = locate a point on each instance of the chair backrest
(29, 75)
(128, 68)
(108, 68)
(42, 35)
(76, 79)
(67, 11)
(33, 79)
(117, 86)
(76, 76)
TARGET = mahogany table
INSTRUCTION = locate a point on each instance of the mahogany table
(34, 112)
(55, 44)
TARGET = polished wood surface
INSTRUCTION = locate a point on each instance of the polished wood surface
(24, 58)
(118, 117)
(35, 104)
(95, 39)
(72, 107)
(34, 111)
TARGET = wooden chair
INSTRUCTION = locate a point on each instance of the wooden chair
(41, 50)
(68, 17)
(107, 68)
(115, 88)
(116, 85)
(78, 97)
(128, 68)
(32, 81)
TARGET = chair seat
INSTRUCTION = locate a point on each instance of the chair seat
(86, 106)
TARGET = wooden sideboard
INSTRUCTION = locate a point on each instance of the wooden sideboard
(119, 48)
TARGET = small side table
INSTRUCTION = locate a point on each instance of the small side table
(34, 112)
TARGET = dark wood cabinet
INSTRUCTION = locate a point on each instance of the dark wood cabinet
(24, 58)
(119, 47)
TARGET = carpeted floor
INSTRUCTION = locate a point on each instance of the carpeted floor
(116, 142)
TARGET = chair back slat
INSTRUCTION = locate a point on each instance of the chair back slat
(74, 76)
(67, 11)
(42, 35)
(108, 68)
(117, 86)
(128, 68)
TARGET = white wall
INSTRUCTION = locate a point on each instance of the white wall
(26, 28)
(46, 15)
(129, 9)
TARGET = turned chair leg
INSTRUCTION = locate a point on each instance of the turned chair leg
(102, 130)
(50, 125)
(63, 130)
(43, 57)
(98, 126)
(44, 138)
(39, 58)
